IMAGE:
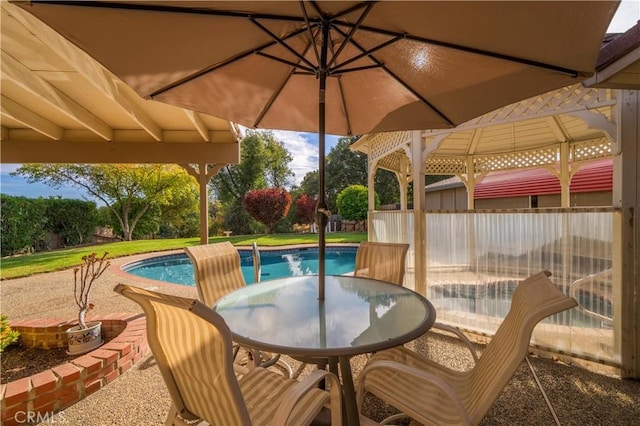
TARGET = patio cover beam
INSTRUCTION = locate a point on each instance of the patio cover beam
(118, 152)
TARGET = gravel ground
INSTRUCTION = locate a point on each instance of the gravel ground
(139, 397)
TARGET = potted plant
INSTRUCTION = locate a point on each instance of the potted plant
(86, 336)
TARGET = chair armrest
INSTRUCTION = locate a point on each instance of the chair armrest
(415, 373)
(460, 335)
(293, 395)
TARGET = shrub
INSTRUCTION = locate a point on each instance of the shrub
(7, 335)
(267, 206)
(22, 224)
(353, 202)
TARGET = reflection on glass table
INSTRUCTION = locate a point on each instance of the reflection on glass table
(358, 315)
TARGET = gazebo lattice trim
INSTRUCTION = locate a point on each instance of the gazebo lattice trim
(560, 101)
(384, 143)
(386, 149)
(580, 151)
(445, 165)
(591, 149)
(392, 161)
(516, 160)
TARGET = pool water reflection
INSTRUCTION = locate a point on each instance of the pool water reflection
(178, 269)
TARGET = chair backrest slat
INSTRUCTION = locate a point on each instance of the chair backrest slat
(534, 299)
(192, 346)
(217, 270)
(381, 261)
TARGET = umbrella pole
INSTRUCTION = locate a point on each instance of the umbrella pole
(322, 203)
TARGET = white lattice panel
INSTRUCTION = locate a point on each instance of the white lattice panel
(445, 165)
(391, 162)
(555, 102)
(516, 160)
(382, 144)
(591, 150)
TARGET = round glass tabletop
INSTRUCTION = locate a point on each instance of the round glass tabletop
(358, 315)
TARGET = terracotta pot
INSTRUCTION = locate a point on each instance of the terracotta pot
(83, 341)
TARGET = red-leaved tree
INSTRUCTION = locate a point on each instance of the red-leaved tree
(267, 206)
(306, 208)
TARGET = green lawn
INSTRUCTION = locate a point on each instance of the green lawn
(21, 266)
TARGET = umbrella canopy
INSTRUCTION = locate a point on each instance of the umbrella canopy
(338, 67)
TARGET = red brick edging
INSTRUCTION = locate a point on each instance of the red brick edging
(59, 387)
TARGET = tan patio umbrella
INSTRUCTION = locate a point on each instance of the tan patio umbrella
(338, 67)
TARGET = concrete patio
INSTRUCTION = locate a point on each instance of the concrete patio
(139, 397)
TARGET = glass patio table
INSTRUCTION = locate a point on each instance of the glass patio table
(359, 315)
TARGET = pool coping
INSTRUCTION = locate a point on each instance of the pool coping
(151, 283)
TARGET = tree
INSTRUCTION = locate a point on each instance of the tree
(306, 208)
(264, 162)
(267, 206)
(277, 171)
(238, 220)
(148, 223)
(387, 187)
(74, 220)
(234, 180)
(345, 167)
(353, 202)
(309, 184)
(180, 214)
(118, 186)
(22, 222)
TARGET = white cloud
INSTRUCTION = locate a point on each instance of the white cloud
(627, 15)
(303, 149)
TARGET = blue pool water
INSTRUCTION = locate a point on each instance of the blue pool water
(178, 269)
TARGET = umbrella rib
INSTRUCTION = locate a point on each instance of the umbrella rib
(468, 49)
(317, 8)
(416, 94)
(362, 68)
(172, 9)
(267, 107)
(352, 31)
(284, 61)
(276, 93)
(311, 36)
(344, 106)
(366, 53)
(343, 100)
(281, 42)
(353, 8)
(177, 9)
(220, 65)
(401, 82)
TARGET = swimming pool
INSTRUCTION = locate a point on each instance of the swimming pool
(178, 269)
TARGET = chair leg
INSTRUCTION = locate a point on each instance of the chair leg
(174, 419)
(172, 416)
(544, 394)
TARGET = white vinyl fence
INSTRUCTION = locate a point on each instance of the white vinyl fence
(474, 260)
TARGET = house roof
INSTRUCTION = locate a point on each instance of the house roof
(594, 176)
(591, 177)
(618, 65)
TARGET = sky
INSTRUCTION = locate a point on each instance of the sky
(303, 146)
